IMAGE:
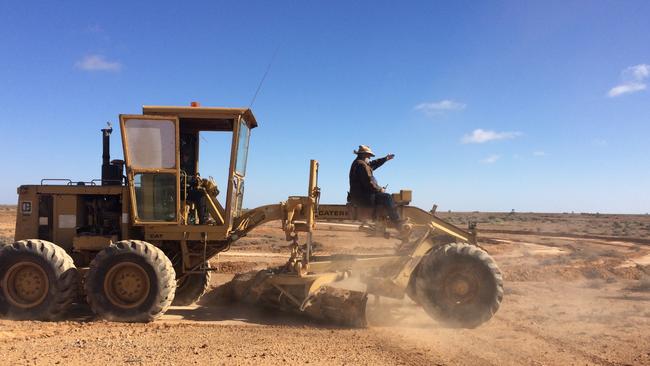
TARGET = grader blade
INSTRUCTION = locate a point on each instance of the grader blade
(339, 306)
(307, 295)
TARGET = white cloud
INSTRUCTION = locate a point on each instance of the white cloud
(432, 108)
(479, 136)
(539, 153)
(97, 63)
(491, 159)
(633, 80)
(640, 71)
(626, 88)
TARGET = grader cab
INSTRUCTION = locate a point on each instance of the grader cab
(143, 235)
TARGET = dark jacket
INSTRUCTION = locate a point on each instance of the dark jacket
(363, 185)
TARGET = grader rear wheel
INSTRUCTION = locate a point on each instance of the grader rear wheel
(130, 281)
(459, 285)
(38, 280)
(189, 287)
(127, 285)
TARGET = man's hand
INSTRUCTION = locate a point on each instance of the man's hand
(390, 156)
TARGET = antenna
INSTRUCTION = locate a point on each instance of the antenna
(268, 68)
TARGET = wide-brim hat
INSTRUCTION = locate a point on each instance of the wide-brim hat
(363, 149)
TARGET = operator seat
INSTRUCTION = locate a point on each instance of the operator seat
(364, 212)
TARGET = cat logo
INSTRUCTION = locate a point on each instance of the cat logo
(335, 213)
(26, 207)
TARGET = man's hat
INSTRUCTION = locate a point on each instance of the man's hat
(363, 149)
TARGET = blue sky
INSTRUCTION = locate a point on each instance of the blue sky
(490, 106)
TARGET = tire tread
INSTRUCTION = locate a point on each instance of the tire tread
(424, 276)
(161, 266)
(64, 289)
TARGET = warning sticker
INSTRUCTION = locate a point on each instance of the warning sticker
(67, 221)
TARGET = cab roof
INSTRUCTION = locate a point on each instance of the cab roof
(208, 118)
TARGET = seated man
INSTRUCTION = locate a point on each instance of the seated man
(364, 190)
(194, 194)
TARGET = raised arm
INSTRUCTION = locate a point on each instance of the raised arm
(375, 164)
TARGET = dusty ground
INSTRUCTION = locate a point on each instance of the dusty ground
(7, 222)
(577, 292)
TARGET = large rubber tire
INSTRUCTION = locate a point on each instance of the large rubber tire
(459, 285)
(39, 280)
(190, 289)
(128, 259)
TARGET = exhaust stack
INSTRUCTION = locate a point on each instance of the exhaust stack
(111, 170)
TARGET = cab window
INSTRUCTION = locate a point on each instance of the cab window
(242, 148)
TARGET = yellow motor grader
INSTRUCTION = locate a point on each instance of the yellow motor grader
(141, 238)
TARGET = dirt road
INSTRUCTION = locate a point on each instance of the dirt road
(569, 301)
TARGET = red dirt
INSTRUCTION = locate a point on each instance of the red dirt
(569, 301)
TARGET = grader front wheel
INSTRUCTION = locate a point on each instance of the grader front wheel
(459, 285)
(130, 281)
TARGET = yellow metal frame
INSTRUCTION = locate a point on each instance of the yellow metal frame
(224, 216)
(201, 112)
(131, 171)
(311, 283)
(155, 229)
(231, 174)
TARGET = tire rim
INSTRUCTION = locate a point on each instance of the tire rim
(127, 285)
(461, 287)
(25, 285)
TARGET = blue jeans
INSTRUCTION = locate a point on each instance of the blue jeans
(386, 200)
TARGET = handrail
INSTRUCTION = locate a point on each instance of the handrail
(68, 182)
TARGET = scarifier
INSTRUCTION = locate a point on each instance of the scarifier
(137, 240)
